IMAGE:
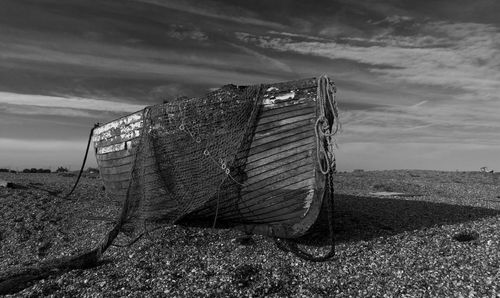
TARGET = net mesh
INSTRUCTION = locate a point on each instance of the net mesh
(187, 154)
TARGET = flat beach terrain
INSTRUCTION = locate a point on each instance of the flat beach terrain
(398, 234)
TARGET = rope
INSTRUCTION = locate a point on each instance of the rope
(218, 201)
(291, 246)
(326, 126)
(83, 163)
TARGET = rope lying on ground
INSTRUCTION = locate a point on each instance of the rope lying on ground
(290, 246)
(15, 280)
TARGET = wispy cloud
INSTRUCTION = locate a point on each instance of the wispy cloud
(434, 122)
(66, 102)
(127, 61)
(182, 32)
(211, 9)
(266, 60)
(37, 110)
(464, 56)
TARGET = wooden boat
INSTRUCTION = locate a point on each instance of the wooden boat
(282, 184)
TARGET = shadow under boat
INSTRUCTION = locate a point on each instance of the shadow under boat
(364, 218)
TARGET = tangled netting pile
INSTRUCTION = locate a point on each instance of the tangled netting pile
(188, 153)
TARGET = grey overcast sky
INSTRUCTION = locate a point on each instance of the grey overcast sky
(419, 81)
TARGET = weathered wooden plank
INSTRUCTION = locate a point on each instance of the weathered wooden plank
(111, 128)
(252, 206)
(275, 95)
(285, 115)
(285, 153)
(118, 145)
(270, 102)
(277, 164)
(125, 167)
(227, 204)
(287, 203)
(282, 122)
(262, 139)
(304, 181)
(276, 209)
(114, 155)
(283, 104)
(280, 176)
(119, 138)
(279, 168)
(290, 85)
(276, 109)
(117, 162)
(121, 168)
(150, 170)
(279, 141)
(279, 129)
(276, 151)
(290, 183)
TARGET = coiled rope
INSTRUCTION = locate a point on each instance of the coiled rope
(327, 125)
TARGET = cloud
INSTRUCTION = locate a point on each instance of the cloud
(423, 122)
(36, 110)
(266, 60)
(226, 12)
(182, 32)
(464, 56)
(393, 20)
(184, 64)
(66, 103)
(303, 36)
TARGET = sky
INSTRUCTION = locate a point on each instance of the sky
(418, 81)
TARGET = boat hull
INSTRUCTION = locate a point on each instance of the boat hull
(281, 190)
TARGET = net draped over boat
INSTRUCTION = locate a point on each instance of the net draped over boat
(194, 150)
(187, 154)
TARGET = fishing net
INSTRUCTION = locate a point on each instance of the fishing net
(188, 154)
